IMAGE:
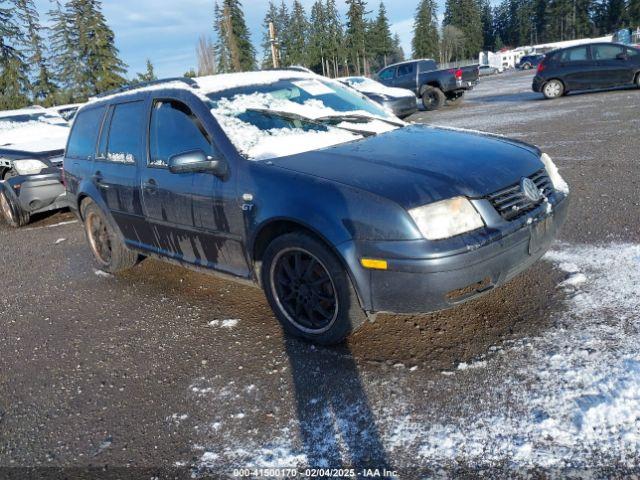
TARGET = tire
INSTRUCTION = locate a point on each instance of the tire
(109, 251)
(457, 100)
(637, 80)
(433, 98)
(553, 89)
(12, 213)
(526, 66)
(309, 290)
(9, 174)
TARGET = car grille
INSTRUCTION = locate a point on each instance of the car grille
(511, 202)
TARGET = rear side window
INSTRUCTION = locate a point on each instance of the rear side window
(125, 143)
(406, 69)
(427, 66)
(632, 52)
(606, 52)
(84, 136)
(174, 129)
(578, 54)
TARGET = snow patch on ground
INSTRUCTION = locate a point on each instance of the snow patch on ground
(229, 323)
(567, 399)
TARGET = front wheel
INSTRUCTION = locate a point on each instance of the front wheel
(553, 89)
(309, 290)
(433, 98)
(11, 212)
(109, 251)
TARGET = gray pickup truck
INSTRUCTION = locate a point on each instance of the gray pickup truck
(432, 85)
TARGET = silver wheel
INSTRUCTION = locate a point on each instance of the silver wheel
(553, 89)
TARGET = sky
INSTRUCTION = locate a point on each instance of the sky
(166, 31)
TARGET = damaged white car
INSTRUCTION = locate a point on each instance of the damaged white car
(32, 142)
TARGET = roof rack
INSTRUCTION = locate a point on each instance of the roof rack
(187, 81)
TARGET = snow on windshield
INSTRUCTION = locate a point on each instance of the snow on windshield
(295, 137)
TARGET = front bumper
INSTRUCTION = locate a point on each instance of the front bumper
(37, 193)
(420, 285)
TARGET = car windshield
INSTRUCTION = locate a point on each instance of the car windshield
(21, 120)
(295, 115)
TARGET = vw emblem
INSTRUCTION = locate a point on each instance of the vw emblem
(530, 190)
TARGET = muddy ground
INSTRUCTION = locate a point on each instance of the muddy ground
(165, 368)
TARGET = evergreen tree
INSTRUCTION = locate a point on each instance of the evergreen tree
(41, 85)
(234, 49)
(488, 36)
(380, 40)
(221, 46)
(398, 52)
(355, 35)
(425, 30)
(64, 55)
(335, 37)
(296, 38)
(634, 12)
(282, 27)
(148, 76)
(318, 38)
(466, 16)
(94, 43)
(14, 71)
(270, 17)
(190, 74)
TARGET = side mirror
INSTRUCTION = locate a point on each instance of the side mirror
(197, 162)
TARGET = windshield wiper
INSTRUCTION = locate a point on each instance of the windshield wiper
(358, 118)
(323, 122)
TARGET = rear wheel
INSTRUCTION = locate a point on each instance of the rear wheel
(433, 98)
(309, 290)
(553, 89)
(109, 252)
(637, 81)
(526, 66)
(11, 212)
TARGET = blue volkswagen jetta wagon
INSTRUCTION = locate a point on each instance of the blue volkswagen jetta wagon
(306, 188)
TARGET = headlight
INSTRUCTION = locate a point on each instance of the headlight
(446, 218)
(28, 167)
(557, 181)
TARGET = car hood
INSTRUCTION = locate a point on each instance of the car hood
(35, 137)
(419, 164)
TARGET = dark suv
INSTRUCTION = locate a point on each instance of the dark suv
(587, 67)
(529, 61)
(295, 182)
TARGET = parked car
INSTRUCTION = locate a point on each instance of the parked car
(529, 61)
(433, 86)
(32, 144)
(587, 67)
(486, 70)
(66, 111)
(298, 184)
(400, 101)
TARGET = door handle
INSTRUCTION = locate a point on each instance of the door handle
(150, 185)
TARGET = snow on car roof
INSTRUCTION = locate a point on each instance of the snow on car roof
(217, 83)
(367, 85)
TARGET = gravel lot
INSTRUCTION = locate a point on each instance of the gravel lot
(165, 369)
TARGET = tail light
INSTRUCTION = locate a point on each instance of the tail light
(459, 74)
(540, 67)
(62, 179)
